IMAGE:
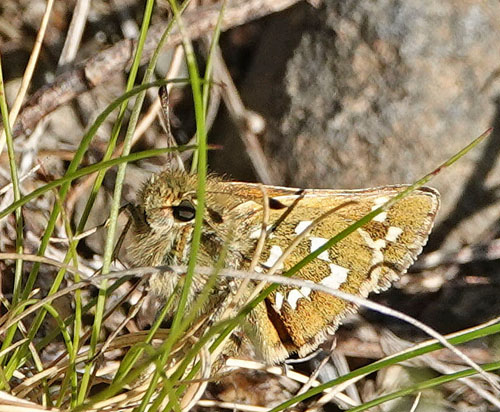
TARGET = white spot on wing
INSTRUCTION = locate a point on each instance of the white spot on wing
(336, 278)
(380, 217)
(393, 233)
(255, 234)
(376, 246)
(305, 291)
(278, 301)
(301, 226)
(379, 201)
(293, 296)
(274, 254)
(316, 243)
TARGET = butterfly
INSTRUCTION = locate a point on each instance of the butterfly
(291, 320)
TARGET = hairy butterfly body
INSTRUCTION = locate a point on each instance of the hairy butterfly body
(291, 320)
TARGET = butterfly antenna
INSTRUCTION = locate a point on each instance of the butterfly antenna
(175, 160)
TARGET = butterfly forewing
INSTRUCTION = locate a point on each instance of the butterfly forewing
(298, 319)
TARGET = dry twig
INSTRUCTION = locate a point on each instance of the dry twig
(116, 59)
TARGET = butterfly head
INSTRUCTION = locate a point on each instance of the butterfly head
(163, 225)
(168, 204)
(163, 220)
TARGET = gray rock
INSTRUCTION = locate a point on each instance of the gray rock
(361, 94)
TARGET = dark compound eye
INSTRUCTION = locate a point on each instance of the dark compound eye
(184, 212)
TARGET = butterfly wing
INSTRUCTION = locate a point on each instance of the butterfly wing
(297, 320)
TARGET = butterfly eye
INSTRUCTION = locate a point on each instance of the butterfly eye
(184, 212)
